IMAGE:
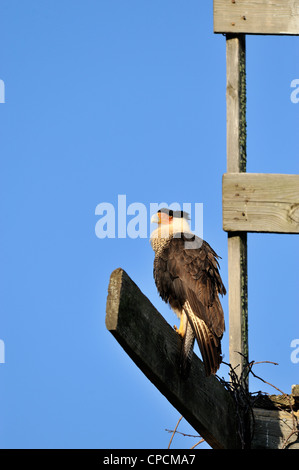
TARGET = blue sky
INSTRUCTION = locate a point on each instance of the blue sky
(123, 97)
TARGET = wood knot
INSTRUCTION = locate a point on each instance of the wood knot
(294, 213)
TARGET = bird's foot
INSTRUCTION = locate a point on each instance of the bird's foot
(177, 330)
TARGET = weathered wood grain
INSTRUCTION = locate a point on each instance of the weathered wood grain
(236, 162)
(254, 202)
(236, 103)
(237, 301)
(256, 16)
(273, 429)
(154, 346)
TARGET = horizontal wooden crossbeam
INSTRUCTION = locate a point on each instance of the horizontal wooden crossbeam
(254, 202)
(256, 16)
(275, 421)
(155, 347)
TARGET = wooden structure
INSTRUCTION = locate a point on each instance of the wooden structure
(256, 16)
(204, 402)
(236, 163)
(155, 347)
(260, 203)
(276, 421)
(251, 203)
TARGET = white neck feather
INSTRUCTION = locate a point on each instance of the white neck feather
(165, 230)
(180, 225)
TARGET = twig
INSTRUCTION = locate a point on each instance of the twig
(267, 362)
(199, 442)
(294, 431)
(244, 400)
(182, 433)
(175, 430)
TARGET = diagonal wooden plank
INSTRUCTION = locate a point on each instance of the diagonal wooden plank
(154, 346)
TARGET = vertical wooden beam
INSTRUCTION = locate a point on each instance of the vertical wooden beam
(236, 162)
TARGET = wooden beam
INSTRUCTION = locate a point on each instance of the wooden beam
(237, 301)
(256, 16)
(260, 202)
(236, 162)
(236, 103)
(274, 423)
(273, 430)
(154, 346)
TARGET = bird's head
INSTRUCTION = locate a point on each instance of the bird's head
(170, 221)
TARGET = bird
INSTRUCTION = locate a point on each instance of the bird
(186, 274)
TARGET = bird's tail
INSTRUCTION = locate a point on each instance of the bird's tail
(209, 344)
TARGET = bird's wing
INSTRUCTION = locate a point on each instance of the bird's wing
(189, 279)
(195, 277)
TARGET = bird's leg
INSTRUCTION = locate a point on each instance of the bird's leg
(182, 328)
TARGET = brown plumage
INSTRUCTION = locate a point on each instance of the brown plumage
(189, 280)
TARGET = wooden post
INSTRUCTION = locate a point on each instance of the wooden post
(236, 162)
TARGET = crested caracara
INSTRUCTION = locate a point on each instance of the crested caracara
(186, 273)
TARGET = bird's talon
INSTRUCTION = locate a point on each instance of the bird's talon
(178, 331)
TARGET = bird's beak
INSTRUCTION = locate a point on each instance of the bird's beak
(155, 219)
